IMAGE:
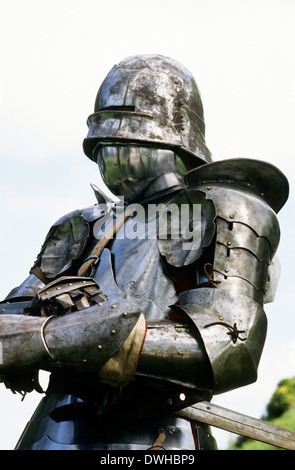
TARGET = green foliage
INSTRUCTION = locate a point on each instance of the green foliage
(280, 411)
(282, 399)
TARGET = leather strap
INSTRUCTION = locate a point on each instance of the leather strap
(40, 275)
(158, 444)
(97, 250)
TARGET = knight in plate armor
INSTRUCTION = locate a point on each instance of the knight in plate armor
(151, 299)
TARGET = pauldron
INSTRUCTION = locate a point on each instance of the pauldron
(239, 228)
(247, 228)
(233, 267)
(65, 243)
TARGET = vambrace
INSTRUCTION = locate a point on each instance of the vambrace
(233, 329)
(217, 347)
(173, 351)
(105, 337)
(225, 305)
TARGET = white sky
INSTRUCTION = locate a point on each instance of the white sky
(53, 56)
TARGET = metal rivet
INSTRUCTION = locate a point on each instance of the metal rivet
(182, 397)
(113, 332)
(84, 361)
(226, 270)
(100, 304)
(99, 347)
(114, 306)
(58, 288)
(125, 314)
(228, 243)
(209, 187)
(231, 216)
(220, 317)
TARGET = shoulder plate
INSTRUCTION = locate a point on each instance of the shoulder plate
(246, 194)
(65, 243)
(254, 176)
(188, 229)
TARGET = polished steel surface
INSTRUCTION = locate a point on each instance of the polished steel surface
(250, 175)
(239, 286)
(138, 172)
(235, 235)
(152, 99)
(67, 341)
(94, 432)
(65, 244)
(247, 228)
(173, 350)
(242, 264)
(189, 241)
(233, 204)
(139, 273)
(233, 328)
(205, 329)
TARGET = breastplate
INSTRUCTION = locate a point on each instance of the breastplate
(132, 268)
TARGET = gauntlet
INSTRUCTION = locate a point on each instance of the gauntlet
(71, 324)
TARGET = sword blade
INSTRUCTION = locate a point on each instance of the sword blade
(241, 424)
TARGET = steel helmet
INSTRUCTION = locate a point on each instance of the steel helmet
(150, 99)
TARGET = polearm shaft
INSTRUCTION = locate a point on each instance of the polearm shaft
(241, 424)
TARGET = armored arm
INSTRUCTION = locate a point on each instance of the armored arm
(217, 341)
(233, 279)
(56, 321)
(216, 347)
(70, 324)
